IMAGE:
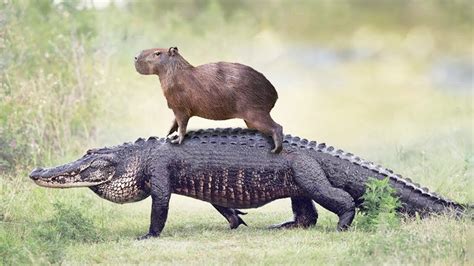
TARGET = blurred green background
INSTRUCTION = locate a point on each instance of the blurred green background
(353, 73)
(391, 81)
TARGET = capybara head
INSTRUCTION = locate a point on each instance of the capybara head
(155, 60)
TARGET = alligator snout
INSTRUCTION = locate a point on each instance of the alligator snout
(36, 173)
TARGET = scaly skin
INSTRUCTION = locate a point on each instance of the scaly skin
(232, 168)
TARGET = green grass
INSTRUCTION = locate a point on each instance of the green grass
(74, 226)
(67, 83)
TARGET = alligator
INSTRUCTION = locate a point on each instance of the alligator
(232, 169)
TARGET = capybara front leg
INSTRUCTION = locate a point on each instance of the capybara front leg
(182, 120)
(174, 127)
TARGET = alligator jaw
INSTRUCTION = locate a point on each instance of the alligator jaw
(80, 173)
(70, 185)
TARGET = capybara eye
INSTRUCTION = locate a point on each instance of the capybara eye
(157, 53)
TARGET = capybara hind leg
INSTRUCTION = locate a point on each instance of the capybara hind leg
(264, 123)
(249, 125)
(277, 135)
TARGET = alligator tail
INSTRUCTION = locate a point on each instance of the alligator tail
(414, 198)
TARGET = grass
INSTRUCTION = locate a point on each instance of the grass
(74, 226)
(353, 76)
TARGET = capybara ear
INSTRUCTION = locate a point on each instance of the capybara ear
(172, 51)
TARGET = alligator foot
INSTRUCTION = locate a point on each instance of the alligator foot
(305, 214)
(235, 220)
(147, 236)
(291, 225)
(285, 225)
(345, 220)
(231, 215)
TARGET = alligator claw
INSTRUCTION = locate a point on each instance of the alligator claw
(147, 236)
(285, 225)
(238, 212)
(239, 222)
(233, 223)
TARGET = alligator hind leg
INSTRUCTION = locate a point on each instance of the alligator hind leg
(304, 211)
(311, 178)
(232, 215)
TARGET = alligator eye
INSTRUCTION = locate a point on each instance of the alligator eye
(97, 163)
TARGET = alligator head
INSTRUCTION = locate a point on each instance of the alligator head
(115, 174)
(90, 170)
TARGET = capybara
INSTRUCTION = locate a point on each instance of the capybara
(216, 91)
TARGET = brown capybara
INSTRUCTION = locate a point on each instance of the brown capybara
(215, 91)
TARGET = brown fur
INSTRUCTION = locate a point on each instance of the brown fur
(216, 91)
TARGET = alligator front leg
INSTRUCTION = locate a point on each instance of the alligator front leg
(305, 214)
(232, 215)
(160, 198)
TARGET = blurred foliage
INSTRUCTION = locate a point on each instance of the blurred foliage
(60, 60)
(47, 93)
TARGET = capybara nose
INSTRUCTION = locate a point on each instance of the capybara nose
(36, 173)
(136, 57)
